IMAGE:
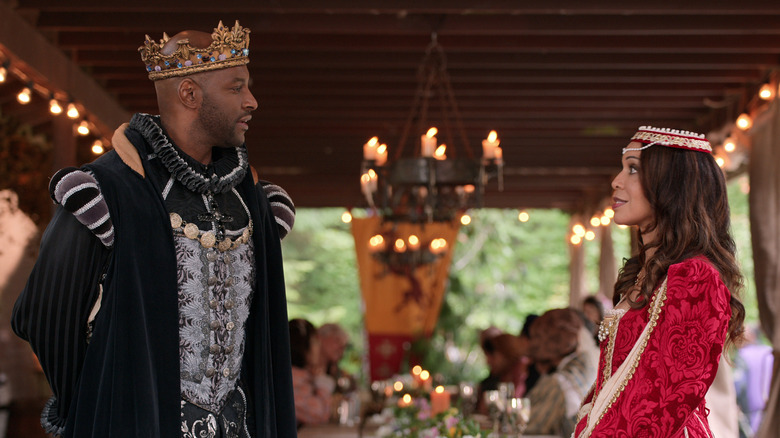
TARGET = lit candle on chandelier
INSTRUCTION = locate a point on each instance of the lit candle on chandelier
(370, 149)
(438, 246)
(381, 155)
(414, 242)
(499, 154)
(490, 144)
(376, 243)
(440, 153)
(429, 142)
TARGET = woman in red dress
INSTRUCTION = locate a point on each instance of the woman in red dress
(678, 298)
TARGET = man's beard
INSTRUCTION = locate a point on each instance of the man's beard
(214, 122)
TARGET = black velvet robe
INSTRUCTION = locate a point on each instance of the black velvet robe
(125, 382)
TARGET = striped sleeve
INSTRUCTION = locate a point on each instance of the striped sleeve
(548, 407)
(51, 312)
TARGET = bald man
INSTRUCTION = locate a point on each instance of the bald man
(157, 306)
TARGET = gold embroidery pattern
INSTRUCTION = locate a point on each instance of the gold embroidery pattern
(655, 313)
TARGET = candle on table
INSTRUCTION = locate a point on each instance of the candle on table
(405, 401)
(440, 400)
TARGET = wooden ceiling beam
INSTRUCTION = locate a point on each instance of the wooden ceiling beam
(414, 24)
(31, 54)
(405, 7)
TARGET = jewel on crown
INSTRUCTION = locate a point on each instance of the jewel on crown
(228, 48)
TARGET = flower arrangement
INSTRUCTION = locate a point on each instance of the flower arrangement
(415, 420)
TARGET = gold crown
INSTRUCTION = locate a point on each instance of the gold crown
(228, 48)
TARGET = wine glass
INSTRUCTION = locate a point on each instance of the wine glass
(496, 406)
(519, 410)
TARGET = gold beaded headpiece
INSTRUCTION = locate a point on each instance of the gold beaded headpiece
(673, 138)
(228, 48)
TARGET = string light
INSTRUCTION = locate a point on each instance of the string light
(744, 122)
(25, 95)
(4, 71)
(610, 213)
(465, 219)
(346, 217)
(523, 216)
(54, 106)
(721, 162)
(767, 92)
(83, 128)
(605, 220)
(590, 235)
(729, 145)
(97, 147)
(73, 112)
(595, 221)
(578, 230)
(575, 239)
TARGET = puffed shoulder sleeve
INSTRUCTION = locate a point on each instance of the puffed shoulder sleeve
(681, 357)
(281, 205)
(52, 311)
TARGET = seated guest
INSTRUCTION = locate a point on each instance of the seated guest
(311, 387)
(489, 383)
(593, 309)
(525, 339)
(333, 342)
(567, 373)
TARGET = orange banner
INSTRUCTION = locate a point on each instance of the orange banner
(398, 299)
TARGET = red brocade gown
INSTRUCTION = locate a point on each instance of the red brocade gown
(664, 395)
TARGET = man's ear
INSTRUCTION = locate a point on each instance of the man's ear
(190, 93)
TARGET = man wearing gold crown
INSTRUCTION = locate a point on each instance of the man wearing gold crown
(157, 306)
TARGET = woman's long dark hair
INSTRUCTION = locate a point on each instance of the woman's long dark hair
(687, 192)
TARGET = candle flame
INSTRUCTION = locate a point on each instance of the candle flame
(373, 141)
(493, 136)
(416, 370)
(439, 153)
(439, 389)
(381, 149)
(431, 132)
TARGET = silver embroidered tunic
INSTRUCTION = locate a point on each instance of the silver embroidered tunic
(215, 290)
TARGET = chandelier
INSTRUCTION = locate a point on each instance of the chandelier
(435, 181)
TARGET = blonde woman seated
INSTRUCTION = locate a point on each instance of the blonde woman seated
(312, 388)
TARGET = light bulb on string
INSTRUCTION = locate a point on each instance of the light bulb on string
(605, 220)
(729, 145)
(4, 71)
(346, 217)
(97, 147)
(465, 219)
(54, 106)
(73, 112)
(575, 239)
(25, 95)
(83, 128)
(523, 216)
(595, 221)
(609, 212)
(744, 122)
(767, 92)
(590, 235)
(578, 230)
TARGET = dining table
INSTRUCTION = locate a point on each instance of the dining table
(343, 431)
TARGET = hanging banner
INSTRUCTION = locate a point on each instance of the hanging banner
(402, 288)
